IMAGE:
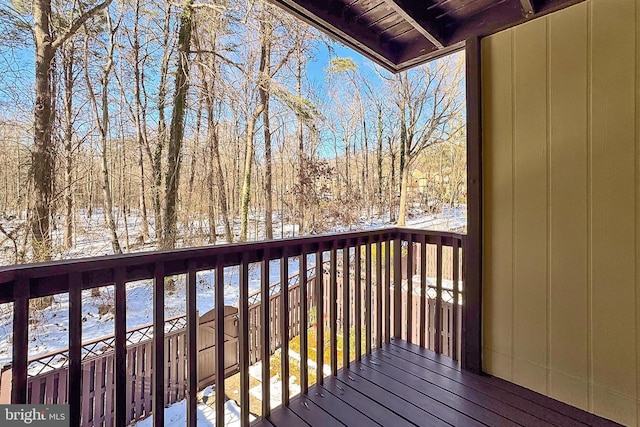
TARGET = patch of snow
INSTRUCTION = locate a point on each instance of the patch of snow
(176, 415)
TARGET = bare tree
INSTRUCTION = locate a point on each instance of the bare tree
(263, 83)
(42, 155)
(177, 127)
(101, 113)
(210, 82)
(68, 60)
(429, 100)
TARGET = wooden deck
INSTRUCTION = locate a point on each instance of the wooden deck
(403, 384)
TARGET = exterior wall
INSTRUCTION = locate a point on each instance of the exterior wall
(561, 141)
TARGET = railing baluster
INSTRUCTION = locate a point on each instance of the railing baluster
(158, 346)
(266, 345)
(397, 288)
(121, 348)
(456, 279)
(410, 288)
(333, 309)
(192, 348)
(319, 317)
(284, 327)
(387, 290)
(423, 289)
(219, 383)
(378, 295)
(75, 348)
(358, 299)
(367, 301)
(20, 341)
(304, 325)
(438, 315)
(346, 303)
(244, 341)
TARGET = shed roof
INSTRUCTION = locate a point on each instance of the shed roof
(399, 34)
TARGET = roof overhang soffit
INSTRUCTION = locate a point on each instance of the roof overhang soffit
(399, 34)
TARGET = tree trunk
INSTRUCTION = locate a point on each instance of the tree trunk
(263, 81)
(139, 117)
(194, 155)
(404, 184)
(379, 161)
(42, 155)
(177, 129)
(301, 158)
(263, 89)
(392, 186)
(102, 123)
(156, 163)
(219, 175)
(245, 195)
(144, 227)
(68, 63)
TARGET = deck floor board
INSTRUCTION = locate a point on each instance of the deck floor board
(402, 384)
(484, 400)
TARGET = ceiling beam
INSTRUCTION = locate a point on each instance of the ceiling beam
(503, 15)
(333, 23)
(416, 14)
(528, 9)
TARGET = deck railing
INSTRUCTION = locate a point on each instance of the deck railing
(391, 270)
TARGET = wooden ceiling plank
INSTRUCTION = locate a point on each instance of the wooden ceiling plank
(382, 18)
(411, 10)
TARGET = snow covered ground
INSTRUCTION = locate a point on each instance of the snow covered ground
(49, 327)
(176, 415)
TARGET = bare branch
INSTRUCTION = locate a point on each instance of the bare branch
(75, 26)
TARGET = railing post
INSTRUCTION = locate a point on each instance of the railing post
(346, 303)
(378, 294)
(192, 347)
(158, 346)
(219, 300)
(284, 327)
(20, 341)
(368, 294)
(333, 309)
(266, 327)
(410, 288)
(387, 290)
(358, 299)
(456, 284)
(304, 346)
(423, 289)
(397, 288)
(244, 341)
(75, 349)
(319, 317)
(121, 416)
(437, 342)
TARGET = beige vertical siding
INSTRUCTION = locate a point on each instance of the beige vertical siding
(561, 119)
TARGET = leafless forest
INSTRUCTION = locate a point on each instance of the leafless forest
(190, 123)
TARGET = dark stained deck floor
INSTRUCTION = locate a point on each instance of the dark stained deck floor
(403, 385)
